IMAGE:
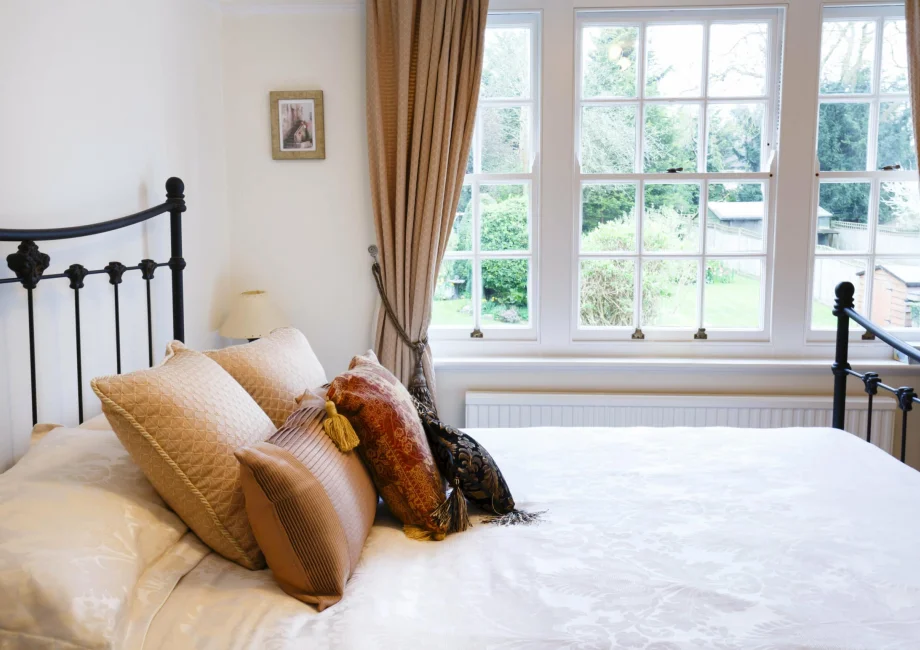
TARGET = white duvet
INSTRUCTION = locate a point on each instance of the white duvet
(654, 538)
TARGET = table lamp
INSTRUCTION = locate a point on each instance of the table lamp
(252, 316)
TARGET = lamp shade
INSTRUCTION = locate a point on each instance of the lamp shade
(253, 315)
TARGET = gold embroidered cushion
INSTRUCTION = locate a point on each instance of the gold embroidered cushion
(274, 370)
(181, 421)
(393, 443)
(310, 505)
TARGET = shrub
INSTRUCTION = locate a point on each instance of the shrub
(608, 286)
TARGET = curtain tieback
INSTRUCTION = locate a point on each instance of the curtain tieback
(418, 384)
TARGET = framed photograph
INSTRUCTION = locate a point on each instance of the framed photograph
(297, 125)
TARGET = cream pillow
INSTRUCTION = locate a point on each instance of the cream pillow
(88, 550)
(274, 370)
(181, 422)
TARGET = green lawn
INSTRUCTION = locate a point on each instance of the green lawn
(821, 316)
(447, 313)
(734, 304)
(731, 304)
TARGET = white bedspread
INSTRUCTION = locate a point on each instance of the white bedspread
(655, 538)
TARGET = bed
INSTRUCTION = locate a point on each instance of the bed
(653, 538)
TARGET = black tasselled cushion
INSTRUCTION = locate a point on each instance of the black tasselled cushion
(460, 457)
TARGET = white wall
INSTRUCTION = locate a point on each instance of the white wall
(301, 228)
(100, 102)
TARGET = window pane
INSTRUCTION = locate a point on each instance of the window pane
(608, 139)
(733, 294)
(736, 218)
(608, 217)
(843, 135)
(894, 57)
(503, 213)
(607, 293)
(896, 143)
(669, 293)
(609, 61)
(843, 217)
(896, 293)
(735, 137)
(899, 219)
(847, 56)
(828, 273)
(461, 236)
(505, 139)
(453, 304)
(675, 60)
(671, 136)
(504, 292)
(506, 63)
(672, 218)
(738, 59)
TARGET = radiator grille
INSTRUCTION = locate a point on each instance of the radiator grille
(491, 409)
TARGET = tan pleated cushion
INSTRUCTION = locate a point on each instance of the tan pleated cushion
(181, 421)
(274, 370)
(310, 505)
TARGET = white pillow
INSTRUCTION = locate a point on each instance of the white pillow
(97, 423)
(88, 550)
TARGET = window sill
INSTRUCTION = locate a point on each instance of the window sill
(589, 364)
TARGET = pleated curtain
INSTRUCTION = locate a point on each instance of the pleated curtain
(424, 63)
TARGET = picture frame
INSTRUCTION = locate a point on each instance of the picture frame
(297, 125)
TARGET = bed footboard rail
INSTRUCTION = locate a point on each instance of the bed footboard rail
(844, 310)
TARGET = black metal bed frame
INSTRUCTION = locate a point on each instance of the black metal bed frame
(29, 264)
(844, 310)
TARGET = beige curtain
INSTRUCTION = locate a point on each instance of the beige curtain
(912, 9)
(424, 62)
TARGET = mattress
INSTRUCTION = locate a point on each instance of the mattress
(653, 538)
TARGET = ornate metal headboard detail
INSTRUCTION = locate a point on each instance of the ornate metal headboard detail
(29, 264)
(906, 397)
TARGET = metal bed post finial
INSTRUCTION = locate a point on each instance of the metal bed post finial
(175, 196)
(844, 292)
(76, 273)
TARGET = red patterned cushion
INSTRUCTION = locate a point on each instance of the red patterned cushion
(393, 443)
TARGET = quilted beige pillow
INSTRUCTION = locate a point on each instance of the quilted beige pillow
(275, 370)
(181, 422)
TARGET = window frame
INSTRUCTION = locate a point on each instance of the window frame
(872, 175)
(532, 19)
(771, 99)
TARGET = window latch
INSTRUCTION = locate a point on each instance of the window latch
(674, 170)
(701, 334)
(638, 335)
(891, 168)
(476, 334)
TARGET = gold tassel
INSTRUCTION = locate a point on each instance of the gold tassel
(339, 429)
(420, 534)
(452, 515)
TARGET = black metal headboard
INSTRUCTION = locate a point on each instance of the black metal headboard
(29, 264)
(844, 310)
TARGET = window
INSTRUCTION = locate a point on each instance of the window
(486, 282)
(676, 127)
(867, 203)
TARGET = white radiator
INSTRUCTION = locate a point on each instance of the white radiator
(490, 409)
